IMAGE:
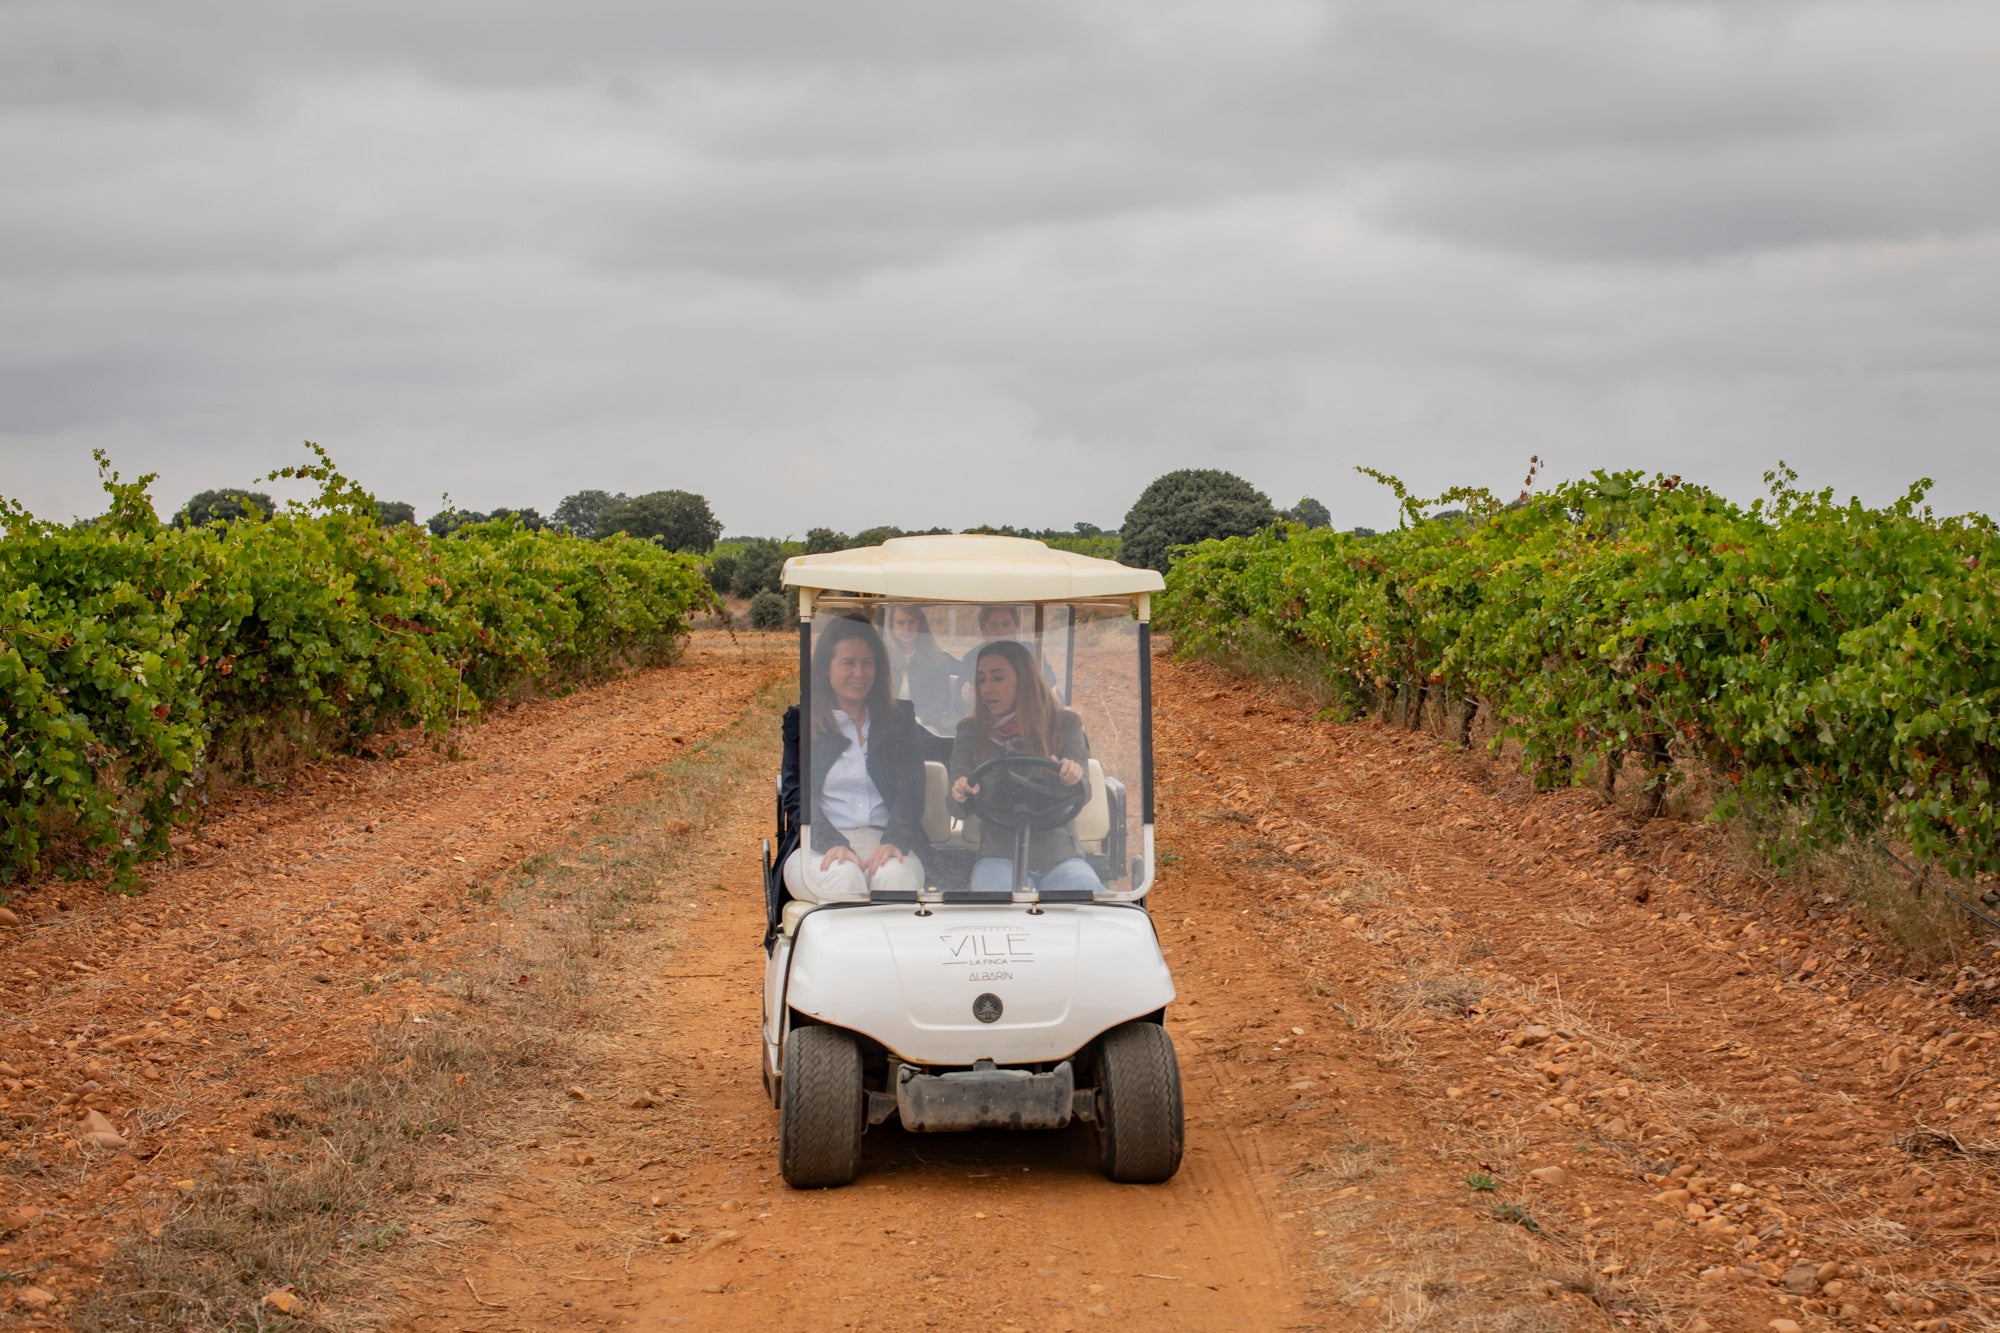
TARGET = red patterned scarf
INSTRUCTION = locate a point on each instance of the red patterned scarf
(1005, 732)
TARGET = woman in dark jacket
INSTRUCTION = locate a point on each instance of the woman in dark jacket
(1015, 712)
(867, 776)
(919, 670)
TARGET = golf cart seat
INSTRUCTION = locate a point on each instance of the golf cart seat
(795, 912)
(1094, 820)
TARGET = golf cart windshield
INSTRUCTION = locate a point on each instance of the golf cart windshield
(1090, 656)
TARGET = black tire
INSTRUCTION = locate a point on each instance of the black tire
(1140, 1131)
(820, 1109)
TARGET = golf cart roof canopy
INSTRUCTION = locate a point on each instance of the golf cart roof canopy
(969, 568)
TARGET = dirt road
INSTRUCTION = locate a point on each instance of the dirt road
(953, 1232)
(1456, 1055)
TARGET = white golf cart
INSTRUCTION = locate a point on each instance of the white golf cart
(955, 1008)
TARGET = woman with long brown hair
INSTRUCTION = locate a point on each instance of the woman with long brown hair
(1015, 712)
(919, 670)
(867, 775)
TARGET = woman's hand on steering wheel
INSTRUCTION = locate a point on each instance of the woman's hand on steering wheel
(963, 791)
(1026, 791)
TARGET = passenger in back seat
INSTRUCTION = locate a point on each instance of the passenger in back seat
(867, 776)
(920, 671)
(1017, 713)
(998, 622)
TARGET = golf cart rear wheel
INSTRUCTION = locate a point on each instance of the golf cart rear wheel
(1139, 1129)
(821, 1111)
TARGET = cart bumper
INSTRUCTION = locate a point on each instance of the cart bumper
(986, 1099)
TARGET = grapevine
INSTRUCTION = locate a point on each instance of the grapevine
(1833, 665)
(135, 656)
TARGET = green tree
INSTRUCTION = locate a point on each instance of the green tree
(530, 519)
(722, 571)
(391, 512)
(1188, 506)
(757, 566)
(450, 519)
(821, 540)
(677, 520)
(582, 514)
(876, 536)
(1311, 513)
(223, 506)
(768, 611)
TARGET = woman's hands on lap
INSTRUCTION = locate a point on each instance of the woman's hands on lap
(884, 853)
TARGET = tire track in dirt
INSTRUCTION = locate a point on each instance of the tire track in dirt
(304, 916)
(1767, 1051)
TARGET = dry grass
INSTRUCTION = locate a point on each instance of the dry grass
(1338, 1167)
(1490, 1277)
(1514, 1272)
(1864, 1234)
(331, 1184)
(1335, 696)
(1579, 1023)
(1695, 1107)
(1925, 932)
(1437, 989)
(332, 1197)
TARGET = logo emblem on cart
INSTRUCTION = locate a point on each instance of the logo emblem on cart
(987, 1008)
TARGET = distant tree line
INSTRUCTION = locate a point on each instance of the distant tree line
(1177, 510)
(676, 520)
(230, 504)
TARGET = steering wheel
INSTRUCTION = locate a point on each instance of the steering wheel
(1023, 791)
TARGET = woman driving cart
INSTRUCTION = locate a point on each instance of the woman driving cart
(1016, 713)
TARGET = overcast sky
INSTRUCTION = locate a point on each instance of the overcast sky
(928, 262)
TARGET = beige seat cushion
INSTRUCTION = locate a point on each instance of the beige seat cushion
(937, 804)
(794, 912)
(1093, 822)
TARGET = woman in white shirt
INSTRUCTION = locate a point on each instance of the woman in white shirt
(867, 777)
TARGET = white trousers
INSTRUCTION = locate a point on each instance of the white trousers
(844, 881)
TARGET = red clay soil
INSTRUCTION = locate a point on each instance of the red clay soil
(1433, 1078)
(188, 1013)
(1745, 1121)
(1457, 1055)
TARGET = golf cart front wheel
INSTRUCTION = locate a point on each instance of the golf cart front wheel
(820, 1109)
(1140, 1131)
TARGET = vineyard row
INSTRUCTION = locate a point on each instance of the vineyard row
(1836, 667)
(136, 657)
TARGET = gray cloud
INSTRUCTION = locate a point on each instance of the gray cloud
(920, 263)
